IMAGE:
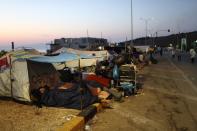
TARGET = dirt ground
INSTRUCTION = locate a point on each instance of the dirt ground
(20, 117)
(168, 102)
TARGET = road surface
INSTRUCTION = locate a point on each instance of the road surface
(168, 101)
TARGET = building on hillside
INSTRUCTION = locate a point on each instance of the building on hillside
(83, 43)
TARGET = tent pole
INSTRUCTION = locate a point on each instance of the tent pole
(81, 101)
(79, 65)
(80, 84)
(11, 76)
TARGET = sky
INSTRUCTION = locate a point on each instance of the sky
(33, 23)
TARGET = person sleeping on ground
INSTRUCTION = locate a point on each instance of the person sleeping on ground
(70, 95)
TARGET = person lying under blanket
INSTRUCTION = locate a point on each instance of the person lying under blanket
(70, 95)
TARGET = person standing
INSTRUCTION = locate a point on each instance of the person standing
(178, 52)
(173, 53)
(116, 75)
(161, 51)
(192, 55)
(158, 49)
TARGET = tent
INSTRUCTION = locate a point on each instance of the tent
(87, 62)
(98, 54)
(14, 79)
(27, 70)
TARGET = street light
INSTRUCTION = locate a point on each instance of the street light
(131, 44)
(146, 24)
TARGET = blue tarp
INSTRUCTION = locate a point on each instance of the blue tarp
(63, 57)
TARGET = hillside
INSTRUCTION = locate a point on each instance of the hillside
(164, 41)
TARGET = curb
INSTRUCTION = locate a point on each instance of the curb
(78, 123)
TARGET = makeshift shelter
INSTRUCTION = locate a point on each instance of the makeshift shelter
(14, 80)
(5, 90)
(27, 70)
(94, 57)
(103, 53)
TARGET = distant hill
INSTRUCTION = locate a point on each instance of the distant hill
(164, 41)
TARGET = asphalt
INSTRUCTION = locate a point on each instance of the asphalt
(168, 101)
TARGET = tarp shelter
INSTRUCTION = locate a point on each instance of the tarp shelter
(63, 57)
(97, 56)
(27, 71)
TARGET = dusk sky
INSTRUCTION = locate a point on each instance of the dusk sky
(36, 22)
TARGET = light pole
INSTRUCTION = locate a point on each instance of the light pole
(146, 27)
(131, 44)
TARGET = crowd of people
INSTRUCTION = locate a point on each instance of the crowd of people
(175, 53)
(179, 54)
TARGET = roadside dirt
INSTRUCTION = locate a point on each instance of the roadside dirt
(167, 103)
(20, 117)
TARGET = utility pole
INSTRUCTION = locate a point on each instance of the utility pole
(125, 44)
(131, 42)
(146, 22)
(146, 28)
(88, 40)
(156, 34)
(102, 43)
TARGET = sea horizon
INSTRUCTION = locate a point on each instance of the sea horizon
(39, 47)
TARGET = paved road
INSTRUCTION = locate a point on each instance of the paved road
(189, 69)
(168, 101)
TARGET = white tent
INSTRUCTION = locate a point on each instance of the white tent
(98, 56)
(14, 80)
(18, 80)
(5, 88)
